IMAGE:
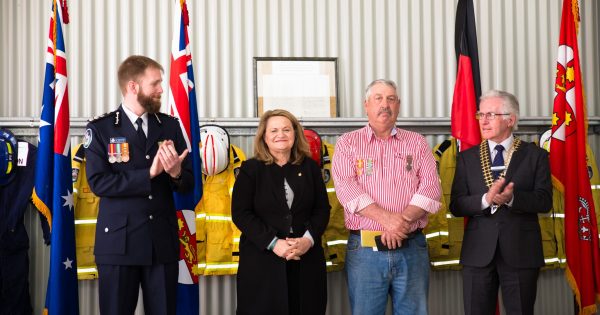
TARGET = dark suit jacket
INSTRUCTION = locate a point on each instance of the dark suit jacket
(137, 218)
(259, 209)
(514, 229)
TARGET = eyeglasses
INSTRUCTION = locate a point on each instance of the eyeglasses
(488, 116)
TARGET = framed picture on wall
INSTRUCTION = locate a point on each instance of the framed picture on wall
(306, 87)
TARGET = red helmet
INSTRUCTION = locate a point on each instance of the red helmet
(314, 145)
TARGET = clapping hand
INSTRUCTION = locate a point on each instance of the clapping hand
(505, 196)
(167, 159)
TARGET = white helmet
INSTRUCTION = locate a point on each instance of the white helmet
(214, 149)
(545, 140)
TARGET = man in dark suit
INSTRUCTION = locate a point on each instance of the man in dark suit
(501, 185)
(135, 160)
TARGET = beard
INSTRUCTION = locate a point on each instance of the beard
(149, 103)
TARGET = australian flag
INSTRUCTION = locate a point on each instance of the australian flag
(182, 104)
(53, 190)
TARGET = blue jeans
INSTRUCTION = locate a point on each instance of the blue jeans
(402, 273)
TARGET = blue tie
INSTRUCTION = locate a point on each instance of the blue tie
(498, 160)
(140, 132)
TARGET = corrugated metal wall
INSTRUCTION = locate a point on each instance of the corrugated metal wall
(410, 41)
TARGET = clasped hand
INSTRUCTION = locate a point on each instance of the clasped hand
(167, 159)
(292, 248)
(396, 230)
(499, 194)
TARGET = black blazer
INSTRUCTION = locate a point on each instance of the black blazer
(259, 209)
(137, 215)
(514, 229)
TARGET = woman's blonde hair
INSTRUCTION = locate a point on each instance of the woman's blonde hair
(299, 149)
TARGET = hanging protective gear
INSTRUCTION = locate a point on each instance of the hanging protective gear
(314, 144)
(8, 156)
(15, 199)
(86, 205)
(216, 235)
(214, 150)
(444, 232)
(335, 237)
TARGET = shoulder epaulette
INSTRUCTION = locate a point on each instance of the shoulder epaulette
(80, 154)
(164, 115)
(236, 158)
(445, 145)
(326, 157)
(99, 117)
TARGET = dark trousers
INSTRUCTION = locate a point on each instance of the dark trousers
(119, 288)
(480, 288)
(14, 283)
(293, 280)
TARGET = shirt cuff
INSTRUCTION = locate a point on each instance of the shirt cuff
(510, 203)
(359, 203)
(484, 203)
(307, 235)
(425, 203)
(272, 244)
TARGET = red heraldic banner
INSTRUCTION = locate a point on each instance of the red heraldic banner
(569, 167)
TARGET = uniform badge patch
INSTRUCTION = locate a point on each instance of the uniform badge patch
(74, 174)
(87, 139)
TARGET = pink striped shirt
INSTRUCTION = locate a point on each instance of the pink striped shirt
(393, 173)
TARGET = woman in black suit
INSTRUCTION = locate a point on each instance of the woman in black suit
(280, 204)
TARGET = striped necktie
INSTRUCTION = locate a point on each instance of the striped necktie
(498, 160)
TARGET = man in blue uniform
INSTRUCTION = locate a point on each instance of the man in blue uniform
(136, 159)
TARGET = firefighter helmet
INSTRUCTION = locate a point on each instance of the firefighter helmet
(214, 149)
(314, 145)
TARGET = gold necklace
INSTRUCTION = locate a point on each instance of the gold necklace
(484, 157)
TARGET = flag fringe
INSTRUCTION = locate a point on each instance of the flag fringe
(588, 310)
(576, 17)
(42, 208)
(558, 184)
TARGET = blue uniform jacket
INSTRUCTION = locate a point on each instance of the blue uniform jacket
(137, 221)
(15, 196)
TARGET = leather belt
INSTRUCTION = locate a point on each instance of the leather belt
(410, 235)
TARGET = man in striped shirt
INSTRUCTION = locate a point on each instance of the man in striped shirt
(386, 179)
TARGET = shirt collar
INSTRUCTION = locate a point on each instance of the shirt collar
(133, 117)
(371, 134)
(507, 143)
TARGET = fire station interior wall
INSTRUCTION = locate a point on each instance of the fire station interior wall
(410, 41)
(217, 293)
